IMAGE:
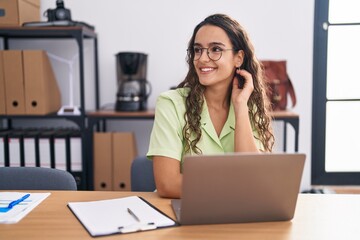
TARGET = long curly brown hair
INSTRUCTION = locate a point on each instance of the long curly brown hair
(258, 103)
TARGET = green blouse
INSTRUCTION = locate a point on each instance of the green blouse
(167, 137)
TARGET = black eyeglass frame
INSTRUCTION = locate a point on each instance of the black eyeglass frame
(191, 51)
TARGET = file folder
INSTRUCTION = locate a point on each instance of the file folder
(124, 152)
(14, 82)
(75, 151)
(30, 146)
(16, 154)
(46, 150)
(2, 86)
(61, 150)
(103, 164)
(2, 151)
(42, 94)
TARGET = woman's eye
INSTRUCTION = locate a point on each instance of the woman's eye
(216, 49)
(197, 50)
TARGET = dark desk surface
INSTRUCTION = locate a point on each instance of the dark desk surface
(317, 216)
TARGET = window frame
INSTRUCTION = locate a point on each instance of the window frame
(318, 174)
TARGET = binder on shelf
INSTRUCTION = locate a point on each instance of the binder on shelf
(16, 153)
(42, 94)
(46, 149)
(61, 150)
(30, 140)
(75, 151)
(2, 86)
(14, 82)
(103, 164)
(124, 152)
(2, 151)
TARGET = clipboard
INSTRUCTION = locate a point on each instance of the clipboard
(119, 216)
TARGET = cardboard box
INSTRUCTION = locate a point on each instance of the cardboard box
(103, 163)
(113, 156)
(14, 82)
(42, 94)
(16, 12)
(30, 84)
(124, 152)
(2, 86)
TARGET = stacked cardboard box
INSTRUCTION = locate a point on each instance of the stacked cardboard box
(27, 83)
(16, 12)
(113, 155)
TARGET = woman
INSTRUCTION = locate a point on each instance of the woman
(209, 113)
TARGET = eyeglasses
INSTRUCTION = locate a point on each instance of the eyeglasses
(214, 53)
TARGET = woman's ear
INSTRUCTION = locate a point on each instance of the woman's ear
(239, 58)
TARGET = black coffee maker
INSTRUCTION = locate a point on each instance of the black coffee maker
(133, 88)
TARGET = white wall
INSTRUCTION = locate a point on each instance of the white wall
(280, 29)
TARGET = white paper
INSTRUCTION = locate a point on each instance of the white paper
(20, 210)
(107, 216)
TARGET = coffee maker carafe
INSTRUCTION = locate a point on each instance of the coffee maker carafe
(133, 88)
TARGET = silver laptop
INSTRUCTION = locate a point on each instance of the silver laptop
(238, 187)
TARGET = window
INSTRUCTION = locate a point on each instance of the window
(336, 93)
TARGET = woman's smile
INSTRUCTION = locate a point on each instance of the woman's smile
(207, 69)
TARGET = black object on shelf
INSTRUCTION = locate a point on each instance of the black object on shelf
(133, 88)
(59, 23)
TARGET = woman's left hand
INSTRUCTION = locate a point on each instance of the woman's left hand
(240, 97)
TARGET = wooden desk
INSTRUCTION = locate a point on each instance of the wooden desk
(317, 216)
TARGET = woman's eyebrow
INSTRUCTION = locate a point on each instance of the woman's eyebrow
(217, 43)
(210, 44)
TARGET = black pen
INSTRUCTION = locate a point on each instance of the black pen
(133, 214)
